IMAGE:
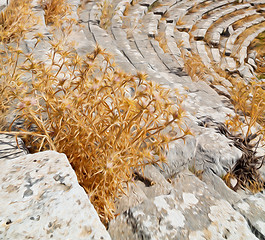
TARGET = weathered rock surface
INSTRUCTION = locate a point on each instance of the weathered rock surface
(191, 211)
(179, 156)
(41, 199)
(206, 149)
(216, 152)
(253, 209)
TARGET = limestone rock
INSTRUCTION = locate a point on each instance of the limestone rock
(159, 185)
(215, 182)
(179, 156)
(216, 152)
(253, 209)
(41, 199)
(251, 206)
(134, 196)
(207, 149)
(147, 185)
(192, 211)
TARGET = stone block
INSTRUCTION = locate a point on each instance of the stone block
(41, 199)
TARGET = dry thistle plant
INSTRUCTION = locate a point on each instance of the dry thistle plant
(107, 122)
(15, 20)
(9, 80)
(249, 103)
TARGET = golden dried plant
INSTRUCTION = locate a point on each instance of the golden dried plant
(249, 102)
(107, 122)
(107, 11)
(56, 11)
(194, 8)
(127, 8)
(246, 128)
(180, 21)
(15, 20)
(194, 66)
(162, 40)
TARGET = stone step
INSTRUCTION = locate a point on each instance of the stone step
(147, 3)
(180, 8)
(103, 39)
(213, 36)
(167, 59)
(232, 38)
(151, 24)
(201, 49)
(182, 37)
(145, 48)
(172, 45)
(191, 18)
(204, 24)
(242, 53)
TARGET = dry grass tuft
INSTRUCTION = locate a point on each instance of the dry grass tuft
(56, 11)
(180, 22)
(107, 12)
(161, 38)
(194, 66)
(127, 8)
(194, 8)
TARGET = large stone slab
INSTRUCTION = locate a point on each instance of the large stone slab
(191, 211)
(41, 199)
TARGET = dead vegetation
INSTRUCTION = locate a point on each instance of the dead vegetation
(107, 122)
(257, 45)
(16, 20)
(246, 170)
(107, 11)
(56, 11)
(161, 38)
